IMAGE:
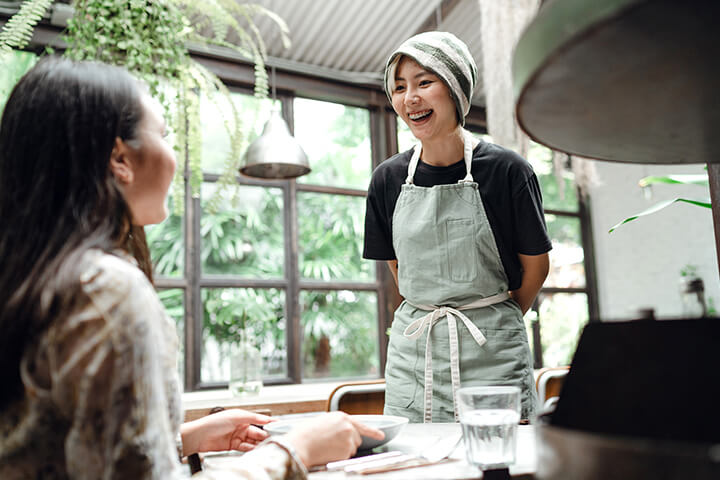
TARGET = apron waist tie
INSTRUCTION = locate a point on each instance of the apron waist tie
(417, 327)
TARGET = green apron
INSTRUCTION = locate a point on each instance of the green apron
(449, 269)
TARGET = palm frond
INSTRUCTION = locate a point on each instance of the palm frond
(659, 206)
(699, 179)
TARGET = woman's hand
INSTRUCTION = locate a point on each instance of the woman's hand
(329, 437)
(230, 429)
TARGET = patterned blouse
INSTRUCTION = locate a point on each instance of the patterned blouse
(101, 391)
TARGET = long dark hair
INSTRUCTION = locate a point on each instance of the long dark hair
(58, 197)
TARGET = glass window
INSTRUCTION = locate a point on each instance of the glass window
(264, 310)
(167, 248)
(567, 258)
(336, 139)
(340, 334)
(244, 236)
(216, 120)
(562, 317)
(557, 195)
(331, 238)
(14, 66)
(173, 300)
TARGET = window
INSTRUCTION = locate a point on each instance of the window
(15, 64)
(285, 255)
(564, 304)
(288, 254)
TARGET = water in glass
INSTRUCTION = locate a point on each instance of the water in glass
(489, 436)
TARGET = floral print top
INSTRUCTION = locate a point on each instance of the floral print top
(101, 391)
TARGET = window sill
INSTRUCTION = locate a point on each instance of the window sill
(272, 400)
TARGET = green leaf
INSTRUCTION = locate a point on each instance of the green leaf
(700, 179)
(659, 206)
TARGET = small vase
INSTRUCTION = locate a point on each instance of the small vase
(692, 295)
(245, 369)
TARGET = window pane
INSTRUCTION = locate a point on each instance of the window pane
(331, 238)
(172, 299)
(14, 66)
(340, 337)
(567, 267)
(265, 326)
(245, 234)
(553, 197)
(562, 317)
(216, 117)
(406, 140)
(167, 245)
(336, 139)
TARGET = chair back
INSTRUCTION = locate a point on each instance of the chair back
(360, 398)
(549, 382)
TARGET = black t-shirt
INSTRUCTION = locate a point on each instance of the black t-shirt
(509, 190)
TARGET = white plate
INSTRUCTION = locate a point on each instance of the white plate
(390, 425)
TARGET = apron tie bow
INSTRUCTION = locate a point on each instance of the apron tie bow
(426, 322)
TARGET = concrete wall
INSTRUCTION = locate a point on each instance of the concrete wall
(638, 265)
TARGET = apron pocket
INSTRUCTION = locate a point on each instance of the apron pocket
(401, 382)
(505, 357)
(461, 250)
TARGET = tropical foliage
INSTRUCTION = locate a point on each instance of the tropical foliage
(14, 66)
(699, 180)
(244, 237)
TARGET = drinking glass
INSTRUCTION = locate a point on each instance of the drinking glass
(489, 417)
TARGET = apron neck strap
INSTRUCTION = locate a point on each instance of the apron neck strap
(469, 143)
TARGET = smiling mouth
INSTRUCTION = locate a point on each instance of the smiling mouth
(420, 116)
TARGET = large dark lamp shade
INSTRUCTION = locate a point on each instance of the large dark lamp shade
(622, 80)
(275, 154)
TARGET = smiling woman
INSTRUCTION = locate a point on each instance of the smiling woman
(461, 226)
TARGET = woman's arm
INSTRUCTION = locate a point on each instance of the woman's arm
(392, 265)
(231, 429)
(535, 270)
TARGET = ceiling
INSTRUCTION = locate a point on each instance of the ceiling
(350, 40)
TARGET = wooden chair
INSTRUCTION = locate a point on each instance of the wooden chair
(549, 383)
(362, 397)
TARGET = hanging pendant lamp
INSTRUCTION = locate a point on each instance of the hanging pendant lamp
(275, 154)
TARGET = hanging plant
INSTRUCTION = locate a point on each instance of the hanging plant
(17, 32)
(150, 38)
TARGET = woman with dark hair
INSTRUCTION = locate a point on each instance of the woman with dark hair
(88, 354)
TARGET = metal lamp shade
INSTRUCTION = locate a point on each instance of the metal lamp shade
(275, 154)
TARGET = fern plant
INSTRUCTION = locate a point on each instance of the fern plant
(17, 32)
(150, 38)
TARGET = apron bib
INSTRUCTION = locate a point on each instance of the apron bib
(457, 325)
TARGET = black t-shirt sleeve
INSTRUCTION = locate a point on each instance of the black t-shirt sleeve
(384, 190)
(378, 228)
(529, 228)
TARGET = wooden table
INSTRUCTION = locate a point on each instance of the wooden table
(415, 438)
